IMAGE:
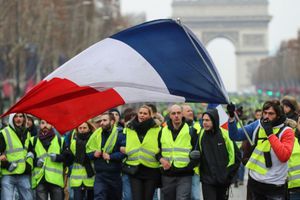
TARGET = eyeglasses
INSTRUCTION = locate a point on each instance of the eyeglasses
(269, 113)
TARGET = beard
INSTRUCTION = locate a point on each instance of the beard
(45, 130)
(106, 127)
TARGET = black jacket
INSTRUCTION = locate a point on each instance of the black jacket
(214, 156)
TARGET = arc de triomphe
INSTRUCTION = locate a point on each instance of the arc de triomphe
(243, 22)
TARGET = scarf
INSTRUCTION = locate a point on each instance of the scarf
(46, 138)
(81, 141)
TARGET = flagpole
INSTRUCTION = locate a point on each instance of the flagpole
(216, 80)
(242, 126)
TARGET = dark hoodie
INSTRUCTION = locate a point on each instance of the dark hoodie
(214, 155)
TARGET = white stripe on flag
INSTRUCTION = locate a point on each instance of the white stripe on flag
(111, 63)
(223, 117)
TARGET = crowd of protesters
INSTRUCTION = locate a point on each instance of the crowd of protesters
(143, 155)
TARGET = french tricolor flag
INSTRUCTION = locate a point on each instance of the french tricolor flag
(157, 61)
(223, 117)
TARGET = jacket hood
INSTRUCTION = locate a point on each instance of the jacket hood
(214, 116)
(11, 120)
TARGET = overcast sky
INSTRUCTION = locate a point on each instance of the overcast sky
(284, 25)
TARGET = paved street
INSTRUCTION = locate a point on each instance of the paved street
(238, 193)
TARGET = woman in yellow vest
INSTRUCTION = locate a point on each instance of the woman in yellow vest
(82, 174)
(141, 149)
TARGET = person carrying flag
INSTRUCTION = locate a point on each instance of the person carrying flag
(273, 144)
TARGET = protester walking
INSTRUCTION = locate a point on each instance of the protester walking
(82, 173)
(176, 141)
(51, 156)
(141, 148)
(16, 158)
(104, 148)
(273, 145)
(218, 161)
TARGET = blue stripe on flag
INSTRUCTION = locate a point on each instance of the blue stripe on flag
(165, 45)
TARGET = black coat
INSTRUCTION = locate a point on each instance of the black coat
(214, 155)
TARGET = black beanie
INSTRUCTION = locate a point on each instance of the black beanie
(114, 110)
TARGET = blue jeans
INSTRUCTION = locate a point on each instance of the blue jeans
(126, 193)
(241, 173)
(108, 186)
(196, 193)
(294, 196)
(20, 182)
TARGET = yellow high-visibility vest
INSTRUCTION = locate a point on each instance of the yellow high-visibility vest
(176, 152)
(294, 166)
(78, 174)
(15, 152)
(52, 171)
(257, 161)
(142, 153)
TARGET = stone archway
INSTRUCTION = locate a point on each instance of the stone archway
(243, 22)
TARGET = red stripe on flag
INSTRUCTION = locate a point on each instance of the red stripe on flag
(76, 103)
(225, 126)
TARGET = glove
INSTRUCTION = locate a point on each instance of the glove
(195, 155)
(267, 125)
(40, 162)
(53, 157)
(12, 166)
(231, 109)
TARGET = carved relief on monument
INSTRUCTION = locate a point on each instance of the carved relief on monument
(253, 40)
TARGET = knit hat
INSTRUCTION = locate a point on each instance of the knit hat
(114, 110)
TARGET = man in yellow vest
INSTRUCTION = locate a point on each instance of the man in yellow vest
(51, 154)
(176, 141)
(16, 158)
(273, 145)
(188, 114)
(217, 161)
(104, 148)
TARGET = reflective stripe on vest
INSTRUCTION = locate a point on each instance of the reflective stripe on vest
(294, 166)
(52, 171)
(176, 152)
(95, 141)
(142, 153)
(15, 152)
(111, 141)
(257, 159)
(78, 174)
